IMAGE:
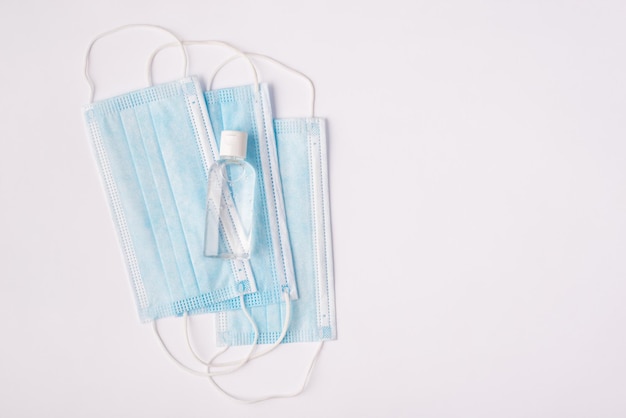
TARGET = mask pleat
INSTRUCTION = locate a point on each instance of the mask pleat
(137, 139)
(181, 173)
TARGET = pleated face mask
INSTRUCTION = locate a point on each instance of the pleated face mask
(302, 155)
(154, 147)
(248, 109)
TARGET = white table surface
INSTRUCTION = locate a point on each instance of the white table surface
(477, 169)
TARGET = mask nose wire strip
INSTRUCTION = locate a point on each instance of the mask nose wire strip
(303, 386)
(286, 323)
(239, 53)
(92, 88)
(238, 365)
(274, 61)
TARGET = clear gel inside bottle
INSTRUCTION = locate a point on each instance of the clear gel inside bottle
(230, 200)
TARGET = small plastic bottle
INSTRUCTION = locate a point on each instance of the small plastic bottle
(230, 200)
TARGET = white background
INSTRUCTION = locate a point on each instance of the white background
(477, 168)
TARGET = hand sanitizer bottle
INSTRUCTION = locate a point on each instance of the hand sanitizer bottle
(230, 199)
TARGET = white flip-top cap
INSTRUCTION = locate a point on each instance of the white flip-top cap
(233, 144)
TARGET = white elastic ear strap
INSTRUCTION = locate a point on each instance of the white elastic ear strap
(303, 386)
(274, 61)
(92, 88)
(239, 53)
(211, 363)
(237, 365)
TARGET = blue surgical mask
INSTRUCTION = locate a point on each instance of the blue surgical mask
(153, 149)
(302, 159)
(247, 109)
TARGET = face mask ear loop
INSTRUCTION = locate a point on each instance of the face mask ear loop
(258, 354)
(240, 364)
(92, 88)
(303, 386)
(275, 344)
(239, 53)
(274, 61)
(193, 351)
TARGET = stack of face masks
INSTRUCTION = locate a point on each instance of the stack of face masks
(153, 147)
